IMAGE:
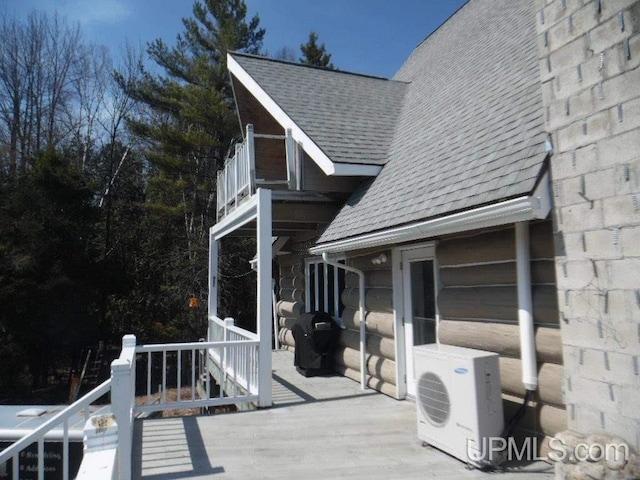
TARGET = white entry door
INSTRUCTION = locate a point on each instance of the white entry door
(420, 286)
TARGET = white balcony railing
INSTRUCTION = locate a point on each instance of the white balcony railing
(237, 180)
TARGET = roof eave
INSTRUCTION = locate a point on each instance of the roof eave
(525, 208)
(328, 166)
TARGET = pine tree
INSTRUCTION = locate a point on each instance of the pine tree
(314, 54)
(189, 128)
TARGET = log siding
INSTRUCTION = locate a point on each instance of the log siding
(478, 307)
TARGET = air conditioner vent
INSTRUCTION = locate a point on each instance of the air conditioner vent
(434, 399)
(455, 406)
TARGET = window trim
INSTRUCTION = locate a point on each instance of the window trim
(317, 261)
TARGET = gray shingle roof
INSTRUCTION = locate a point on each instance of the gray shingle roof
(471, 127)
(351, 117)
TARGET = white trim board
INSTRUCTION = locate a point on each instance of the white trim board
(246, 212)
(536, 206)
(328, 166)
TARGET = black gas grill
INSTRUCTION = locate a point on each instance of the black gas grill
(316, 335)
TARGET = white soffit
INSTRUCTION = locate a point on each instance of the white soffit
(328, 166)
(536, 206)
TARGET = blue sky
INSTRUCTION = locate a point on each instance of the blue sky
(367, 36)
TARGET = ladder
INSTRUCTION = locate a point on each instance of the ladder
(90, 373)
(91, 376)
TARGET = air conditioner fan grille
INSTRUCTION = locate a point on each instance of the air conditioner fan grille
(433, 398)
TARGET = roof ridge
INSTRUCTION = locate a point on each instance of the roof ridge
(439, 27)
(296, 64)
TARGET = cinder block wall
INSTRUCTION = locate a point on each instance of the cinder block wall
(589, 53)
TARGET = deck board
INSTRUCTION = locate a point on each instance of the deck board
(319, 427)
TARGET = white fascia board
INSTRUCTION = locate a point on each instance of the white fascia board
(510, 211)
(246, 212)
(315, 152)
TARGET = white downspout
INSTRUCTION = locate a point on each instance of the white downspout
(276, 325)
(525, 309)
(363, 326)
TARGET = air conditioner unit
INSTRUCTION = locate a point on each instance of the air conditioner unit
(459, 401)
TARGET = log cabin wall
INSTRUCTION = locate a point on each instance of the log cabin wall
(379, 302)
(478, 307)
(291, 296)
(381, 352)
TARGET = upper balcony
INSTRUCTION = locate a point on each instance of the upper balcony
(278, 167)
(276, 162)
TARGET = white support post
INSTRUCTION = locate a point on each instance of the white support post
(251, 157)
(290, 153)
(264, 307)
(213, 277)
(122, 401)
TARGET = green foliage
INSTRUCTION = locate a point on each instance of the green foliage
(49, 268)
(314, 54)
(189, 127)
(108, 235)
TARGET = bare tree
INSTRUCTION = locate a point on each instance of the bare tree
(285, 53)
(90, 86)
(11, 93)
(40, 62)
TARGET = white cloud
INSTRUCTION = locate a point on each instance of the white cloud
(91, 12)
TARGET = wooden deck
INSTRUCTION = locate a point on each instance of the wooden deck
(320, 427)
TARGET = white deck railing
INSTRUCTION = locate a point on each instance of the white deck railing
(187, 364)
(235, 370)
(54, 429)
(234, 355)
(57, 427)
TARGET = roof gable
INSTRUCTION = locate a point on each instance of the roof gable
(342, 118)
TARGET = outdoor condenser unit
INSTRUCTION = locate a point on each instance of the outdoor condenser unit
(459, 401)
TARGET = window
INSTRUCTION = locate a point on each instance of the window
(324, 286)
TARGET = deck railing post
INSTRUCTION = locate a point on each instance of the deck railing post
(226, 192)
(122, 402)
(237, 159)
(264, 239)
(228, 322)
(251, 159)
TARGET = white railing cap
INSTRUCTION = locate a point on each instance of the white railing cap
(129, 341)
(100, 433)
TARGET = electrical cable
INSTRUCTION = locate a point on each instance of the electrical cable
(221, 275)
(517, 416)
